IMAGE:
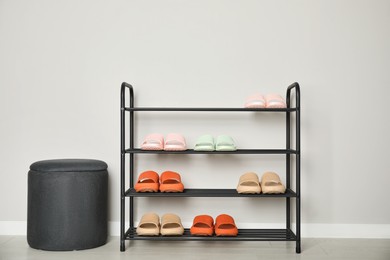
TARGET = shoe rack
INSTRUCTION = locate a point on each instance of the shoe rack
(291, 152)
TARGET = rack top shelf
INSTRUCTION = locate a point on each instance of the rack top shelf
(238, 151)
(210, 109)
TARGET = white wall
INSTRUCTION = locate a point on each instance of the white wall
(62, 63)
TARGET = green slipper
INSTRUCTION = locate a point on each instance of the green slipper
(204, 143)
(225, 143)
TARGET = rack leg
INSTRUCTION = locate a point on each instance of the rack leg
(122, 245)
(298, 226)
(298, 247)
(122, 228)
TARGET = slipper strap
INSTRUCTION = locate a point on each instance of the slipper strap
(175, 138)
(249, 177)
(150, 218)
(270, 177)
(255, 97)
(170, 219)
(223, 220)
(205, 140)
(224, 140)
(154, 138)
(275, 98)
(204, 219)
(148, 175)
(170, 175)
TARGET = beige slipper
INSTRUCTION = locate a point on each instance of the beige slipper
(249, 184)
(171, 225)
(271, 183)
(149, 225)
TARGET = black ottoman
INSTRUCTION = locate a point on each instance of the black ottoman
(67, 204)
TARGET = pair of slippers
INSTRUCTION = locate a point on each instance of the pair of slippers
(270, 184)
(150, 225)
(267, 101)
(149, 181)
(222, 143)
(203, 225)
(156, 142)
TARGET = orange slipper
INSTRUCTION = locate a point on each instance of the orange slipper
(171, 182)
(225, 226)
(203, 225)
(147, 182)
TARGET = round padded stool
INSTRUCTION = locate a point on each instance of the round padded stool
(67, 204)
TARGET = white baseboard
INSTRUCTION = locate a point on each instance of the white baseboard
(346, 230)
(19, 228)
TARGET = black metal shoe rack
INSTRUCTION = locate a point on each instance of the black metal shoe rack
(292, 152)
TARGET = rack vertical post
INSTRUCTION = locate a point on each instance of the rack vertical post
(298, 160)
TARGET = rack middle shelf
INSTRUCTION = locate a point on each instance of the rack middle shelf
(207, 193)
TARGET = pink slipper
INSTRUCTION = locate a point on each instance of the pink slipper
(153, 142)
(255, 101)
(275, 101)
(175, 142)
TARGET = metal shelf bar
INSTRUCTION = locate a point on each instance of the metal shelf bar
(243, 235)
(239, 151)
(208, 193)
(208, 109)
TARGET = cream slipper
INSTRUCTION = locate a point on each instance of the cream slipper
(171, 225)
(249, 184)
(149, 225)
(271, 183)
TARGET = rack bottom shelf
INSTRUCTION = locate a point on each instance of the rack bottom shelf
(243, 235)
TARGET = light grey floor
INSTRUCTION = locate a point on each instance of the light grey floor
(16, 248)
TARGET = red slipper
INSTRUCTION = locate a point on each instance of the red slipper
(225, 226)
(147, 182)
(171, 182)
(203, 225)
